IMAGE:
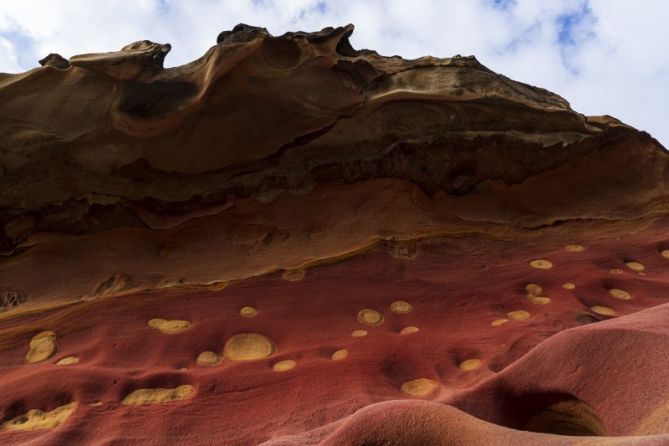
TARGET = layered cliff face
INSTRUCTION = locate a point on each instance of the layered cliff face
(294, 242)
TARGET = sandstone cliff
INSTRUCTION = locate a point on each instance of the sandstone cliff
(292, 190)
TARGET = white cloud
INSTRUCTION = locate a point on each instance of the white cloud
(8, 60)
(615, 60)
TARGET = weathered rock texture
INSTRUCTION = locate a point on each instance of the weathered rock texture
(294, 242)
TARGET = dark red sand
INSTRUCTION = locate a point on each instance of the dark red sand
(619, 367)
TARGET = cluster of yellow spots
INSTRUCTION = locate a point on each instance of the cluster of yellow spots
(534, 290)
(246, 347)
(665, 253)
(248, 312)
(516, 315)
(541, 264)
(608, 311)
(374, 318)
(158, 395)
(36, 419)
(470, 364)
(42, 347)
(402, 307)
(169, 326)
(534, 294)
(419, 387)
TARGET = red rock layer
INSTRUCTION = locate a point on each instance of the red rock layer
(293, 242)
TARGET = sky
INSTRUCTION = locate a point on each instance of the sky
(603, 56)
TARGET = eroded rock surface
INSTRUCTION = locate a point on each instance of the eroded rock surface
(321, 245)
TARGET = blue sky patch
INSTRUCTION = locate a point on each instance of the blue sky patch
(25, 48)
(573, 30)
(502, 4)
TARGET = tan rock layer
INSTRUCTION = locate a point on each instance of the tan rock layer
(297, 149)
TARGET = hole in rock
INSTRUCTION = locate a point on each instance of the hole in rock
(568, 417)
(553, 413)
(281, 52)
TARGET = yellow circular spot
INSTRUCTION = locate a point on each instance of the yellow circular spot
(359, 333)
(248, 312)
(533, 289)
(401, 307)
(568, 286)
(68, 360)
(42, 347)
(604, 311)
(284, 365)
(498, 322)
(539, 300)
(665, 253)
(620, 294)
(248, 347)
(408, 330)
(574, 248)
(635, 266)
(158, 395)
(419, 387)
(470, 364)
(208, 358)
(370, 317)
(518, 315)
(541, 264)
(616, 271)
(166, 326)
(339, 354)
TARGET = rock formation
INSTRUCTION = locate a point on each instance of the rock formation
(292, 242)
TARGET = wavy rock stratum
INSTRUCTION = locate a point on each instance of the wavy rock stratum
(292, 242)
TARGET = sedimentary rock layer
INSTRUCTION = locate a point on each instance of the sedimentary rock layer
(314, 244)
